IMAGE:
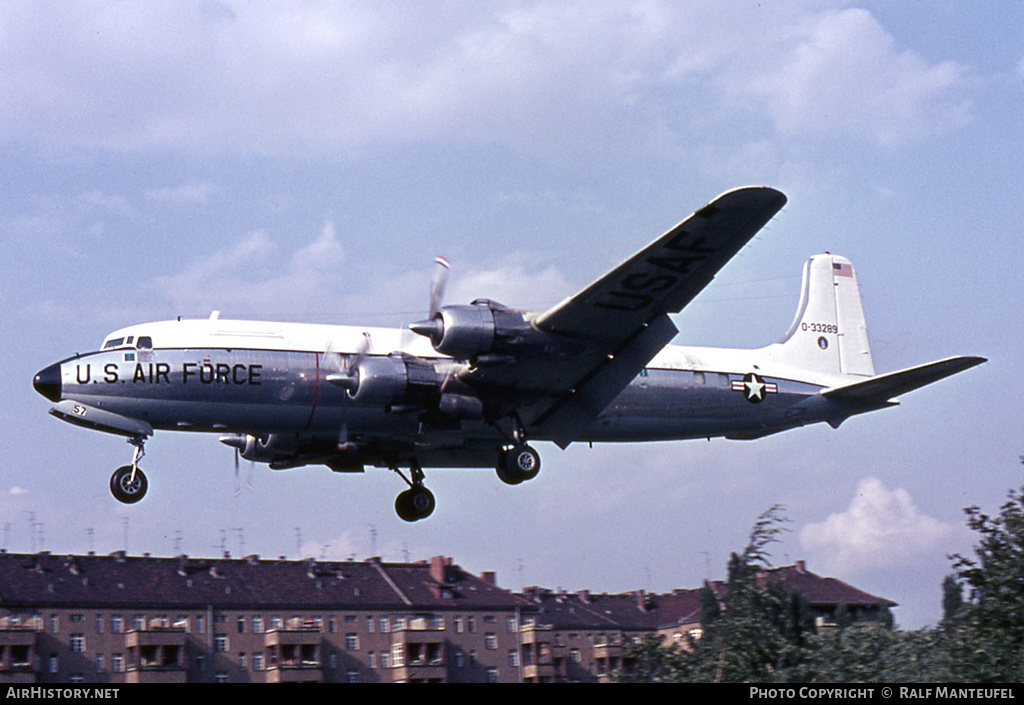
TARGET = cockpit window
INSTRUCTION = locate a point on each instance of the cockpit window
(113, 343)
(144, 343)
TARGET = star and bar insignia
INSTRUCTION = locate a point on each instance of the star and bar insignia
(754, 388)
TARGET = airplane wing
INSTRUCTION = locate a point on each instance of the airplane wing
(614, 326)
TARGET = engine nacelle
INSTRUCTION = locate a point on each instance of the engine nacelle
(395, 380)
(267, 449)
(484, 327)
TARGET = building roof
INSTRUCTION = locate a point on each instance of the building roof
(119, 580)
(820, 591)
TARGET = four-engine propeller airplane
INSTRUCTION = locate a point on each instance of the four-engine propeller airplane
(470, 385)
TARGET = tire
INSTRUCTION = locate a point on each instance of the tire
(415, 503)
(518, 464)
(124, 489)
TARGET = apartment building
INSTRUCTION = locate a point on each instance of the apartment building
(130, 619)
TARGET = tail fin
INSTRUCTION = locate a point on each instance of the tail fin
(829, 333)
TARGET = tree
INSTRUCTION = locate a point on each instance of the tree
(985, 637)
(759, 633)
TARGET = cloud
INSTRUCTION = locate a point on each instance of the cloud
(300, 78)
(882, 528)
(840, 72)
(251, 276)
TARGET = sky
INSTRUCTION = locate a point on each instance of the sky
(306, 161)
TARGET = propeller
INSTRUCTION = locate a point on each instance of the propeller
(438, 285)
(432, 327)
(347, 376)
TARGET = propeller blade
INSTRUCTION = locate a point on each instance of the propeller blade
(438, 285)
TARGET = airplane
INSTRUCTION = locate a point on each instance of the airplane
(472, 385)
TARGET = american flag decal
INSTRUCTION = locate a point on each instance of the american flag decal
(842, 270)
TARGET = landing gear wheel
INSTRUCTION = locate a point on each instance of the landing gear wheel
(415, 503)
(518, 464)
(126, 489)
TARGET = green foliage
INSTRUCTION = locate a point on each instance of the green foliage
(986, 634)
(755, 631)
(655, 663)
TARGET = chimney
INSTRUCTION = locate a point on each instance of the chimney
(801, 566)
(439, 568)
(489, 577)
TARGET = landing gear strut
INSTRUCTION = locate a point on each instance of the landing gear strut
(128, 484)
(417, 502)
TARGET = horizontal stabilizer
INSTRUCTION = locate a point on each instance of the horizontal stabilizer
(887, 386)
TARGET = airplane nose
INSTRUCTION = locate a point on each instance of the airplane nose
(47, 382)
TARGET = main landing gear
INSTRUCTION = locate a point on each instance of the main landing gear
(518, 461)
(128, 484)
(417, 502)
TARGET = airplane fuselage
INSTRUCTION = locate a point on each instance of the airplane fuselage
(263, 379)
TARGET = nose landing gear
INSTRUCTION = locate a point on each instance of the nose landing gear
(128, 484)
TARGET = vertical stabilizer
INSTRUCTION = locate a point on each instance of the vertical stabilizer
(829, 333)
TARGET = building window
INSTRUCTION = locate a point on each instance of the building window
(574, 655)
(382, 622)
(397, 655)
(241, 660)
(438, 622)
(490, 641)
(371, 660)
(257, 624)
(352, 642)
(369, 625)
(513, 658)
(99, 663)
(257, 661)
(492, 675)
(77, 643)
(117, 663)
(220, 643)
(512, 624)
(138, 622)
(99, 624)
(352, 675)
(458, 624)
(54, 624)
(53, 665)
(116, 624)
(241, 624)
